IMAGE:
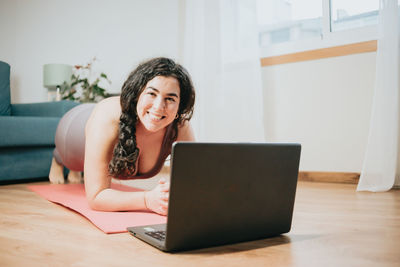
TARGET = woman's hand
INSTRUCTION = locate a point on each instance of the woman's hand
(157, 199)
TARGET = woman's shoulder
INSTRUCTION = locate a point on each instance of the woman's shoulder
(185, 132)
(109, 108)
(110, 103)
(107, 111)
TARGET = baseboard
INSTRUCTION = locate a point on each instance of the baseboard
(329, 177)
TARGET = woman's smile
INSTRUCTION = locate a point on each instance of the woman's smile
(155, 117)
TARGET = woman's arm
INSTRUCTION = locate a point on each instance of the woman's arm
(101, 135)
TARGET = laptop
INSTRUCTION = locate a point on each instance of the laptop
(223, 193)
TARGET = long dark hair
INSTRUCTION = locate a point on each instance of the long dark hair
(123, 162)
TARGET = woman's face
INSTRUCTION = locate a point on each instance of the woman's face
(158, 104)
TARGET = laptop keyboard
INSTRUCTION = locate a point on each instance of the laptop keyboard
(160, 235)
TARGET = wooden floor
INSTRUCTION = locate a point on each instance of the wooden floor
(333, 225)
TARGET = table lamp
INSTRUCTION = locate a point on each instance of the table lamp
(54, 75)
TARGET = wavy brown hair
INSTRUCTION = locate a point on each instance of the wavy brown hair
(123, 162)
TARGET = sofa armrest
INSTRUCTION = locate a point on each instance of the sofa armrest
(44, 109)
(27, 131)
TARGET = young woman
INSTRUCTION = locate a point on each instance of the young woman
(128, 137)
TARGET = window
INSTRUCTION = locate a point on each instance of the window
(347, 14)
(288, 20)
(289, 26)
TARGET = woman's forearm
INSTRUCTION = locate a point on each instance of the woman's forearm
(113, 200)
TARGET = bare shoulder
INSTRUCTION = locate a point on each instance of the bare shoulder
(108, 109)
(185, 132)
(106, 113)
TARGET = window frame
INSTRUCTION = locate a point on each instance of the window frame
(328, 39)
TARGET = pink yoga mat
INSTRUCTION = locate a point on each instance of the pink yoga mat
(73, 196)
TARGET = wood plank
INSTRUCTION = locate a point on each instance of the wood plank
(343, 50)
(333, 225)
(329, 177)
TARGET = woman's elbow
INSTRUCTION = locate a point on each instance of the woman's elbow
(94, 202)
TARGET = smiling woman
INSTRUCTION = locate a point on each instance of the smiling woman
(128, 137)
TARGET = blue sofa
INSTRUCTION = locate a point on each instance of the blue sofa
(26, 134)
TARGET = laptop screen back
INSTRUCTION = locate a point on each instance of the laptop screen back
(225, 193)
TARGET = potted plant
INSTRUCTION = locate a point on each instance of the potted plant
(82, 78)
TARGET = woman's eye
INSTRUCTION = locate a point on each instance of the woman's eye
(170, 99)
(151, 93)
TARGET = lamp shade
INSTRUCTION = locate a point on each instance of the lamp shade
(56, 74)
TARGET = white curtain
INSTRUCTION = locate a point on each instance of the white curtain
(221, 54)
(381, 159)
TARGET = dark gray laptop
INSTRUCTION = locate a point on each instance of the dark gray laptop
(223, 193)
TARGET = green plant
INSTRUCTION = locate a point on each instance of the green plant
(82, 78)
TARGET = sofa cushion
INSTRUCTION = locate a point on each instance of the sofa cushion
(18, 163)
(27, 131)
(5, 109)
(44, 109)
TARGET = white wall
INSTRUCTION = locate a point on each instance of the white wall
(120, 33)
(323, 104)
(7, 31)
